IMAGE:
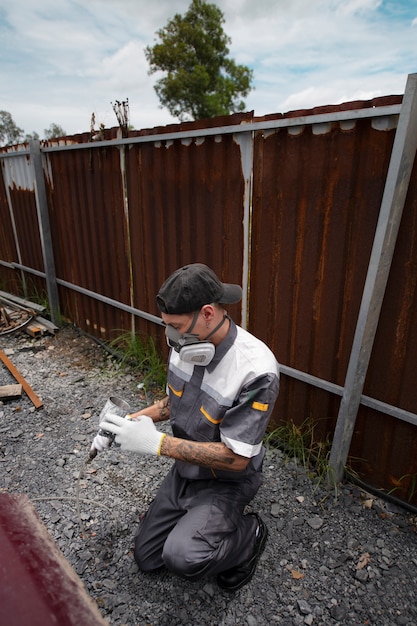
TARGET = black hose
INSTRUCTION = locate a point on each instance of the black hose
(380, 494)
(100, 342)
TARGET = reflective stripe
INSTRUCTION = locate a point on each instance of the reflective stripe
(239, 447)
(259, 406)
(210, 419)
(176, 392)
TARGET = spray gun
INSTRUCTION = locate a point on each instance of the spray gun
(113, 405)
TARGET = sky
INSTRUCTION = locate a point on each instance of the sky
(63, 60)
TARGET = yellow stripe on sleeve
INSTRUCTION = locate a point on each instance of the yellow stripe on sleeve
(259, 406)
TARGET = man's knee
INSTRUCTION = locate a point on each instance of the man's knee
(181, 559)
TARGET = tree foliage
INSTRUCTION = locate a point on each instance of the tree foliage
(55, 130)
(200, 79)
(31, 136)
(10, 133)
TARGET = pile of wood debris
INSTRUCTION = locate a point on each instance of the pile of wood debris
(18, 314)
(13, 319)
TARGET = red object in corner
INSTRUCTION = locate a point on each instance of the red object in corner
(38, 587)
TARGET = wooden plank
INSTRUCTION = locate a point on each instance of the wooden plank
(25, 304)
(36, 401)
(34, 330)
(10, 392)
(47, 323)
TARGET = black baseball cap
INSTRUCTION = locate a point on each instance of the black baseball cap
(191, 287)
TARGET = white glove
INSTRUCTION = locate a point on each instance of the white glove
(100, 443)
(138, 435)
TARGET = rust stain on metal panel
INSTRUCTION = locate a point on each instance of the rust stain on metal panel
(20, 223)
(26, 222)
(7, 240)
(185, 203)
(8, 252)
(89, 204)
(391, 374)
(315, 208)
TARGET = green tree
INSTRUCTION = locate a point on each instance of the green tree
(54, 131)
(200, 79)
(30, 136)
(9, 132)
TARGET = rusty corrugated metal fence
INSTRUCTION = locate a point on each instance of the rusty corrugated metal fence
(285, 205)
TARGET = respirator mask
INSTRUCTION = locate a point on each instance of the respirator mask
(190, 348)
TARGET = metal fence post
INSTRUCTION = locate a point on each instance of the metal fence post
(45, 231)
(396, 186)
(246, 144)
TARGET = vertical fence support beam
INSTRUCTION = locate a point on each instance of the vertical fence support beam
(123, 152)
(396, 186)
(245, 141)
(45, 231)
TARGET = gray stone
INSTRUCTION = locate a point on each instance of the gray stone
(361, 575)
(303, 607)
(338, 612)
(209, 590)
(315, 522)
(275, 510)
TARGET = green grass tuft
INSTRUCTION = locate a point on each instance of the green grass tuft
(141, 354)
(301, 445)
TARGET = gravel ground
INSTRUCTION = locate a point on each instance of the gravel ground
(349, 562)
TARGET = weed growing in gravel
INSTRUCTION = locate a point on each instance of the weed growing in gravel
(29, 290)
(300, 445)
(41, 297)
(38, 297)
(140, 353)
(412, 487)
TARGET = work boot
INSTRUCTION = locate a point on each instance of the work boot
(235, 577)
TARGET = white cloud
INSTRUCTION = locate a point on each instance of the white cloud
(350, 7)
(60, 60)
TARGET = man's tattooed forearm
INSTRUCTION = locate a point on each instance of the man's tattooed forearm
(164, 409)
(214, 455)
(207, 454)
